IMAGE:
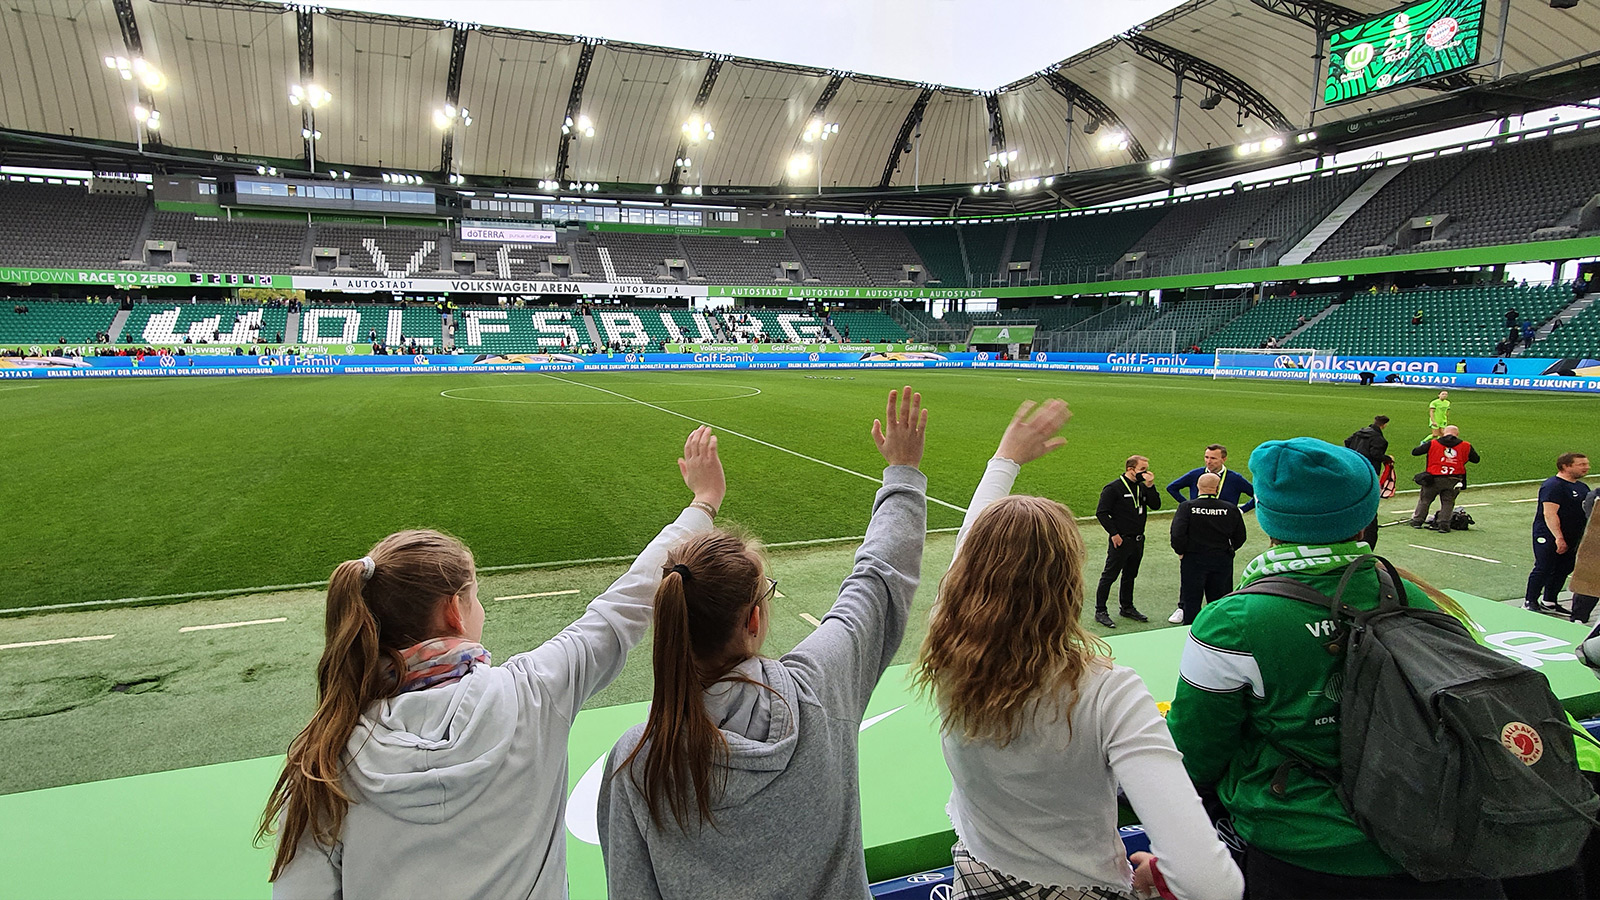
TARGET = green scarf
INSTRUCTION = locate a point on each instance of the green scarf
(1304, 559)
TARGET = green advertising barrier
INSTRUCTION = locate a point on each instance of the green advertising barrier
(186, 833)
(108, 278)
(813, 348)
(1002, 334)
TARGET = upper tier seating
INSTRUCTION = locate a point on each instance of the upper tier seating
(1578, 336)
(722, 260)
(1081, 248)
(941, 253)
(1374, 223)
(882, 252)
(827, 256)
(389, 252)
(65, 226)
(50, 322)
(634, 257)
(253, 246)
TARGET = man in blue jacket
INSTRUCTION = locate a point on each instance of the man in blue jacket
(1234, 485)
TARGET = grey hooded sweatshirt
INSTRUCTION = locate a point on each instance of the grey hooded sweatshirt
(788, 819)
(461, 790)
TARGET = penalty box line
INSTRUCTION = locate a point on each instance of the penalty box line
(671, 412)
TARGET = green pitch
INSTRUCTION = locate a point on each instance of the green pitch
(142, 489)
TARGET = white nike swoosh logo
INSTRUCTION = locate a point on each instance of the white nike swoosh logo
(582, 803)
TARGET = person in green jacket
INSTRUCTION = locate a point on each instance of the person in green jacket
(1256, 683)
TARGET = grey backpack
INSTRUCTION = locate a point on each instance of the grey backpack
(1456, 761)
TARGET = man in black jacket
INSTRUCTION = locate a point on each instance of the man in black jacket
(1206, 532)
(1121, 512)
(1370, 443)
(1448, 456)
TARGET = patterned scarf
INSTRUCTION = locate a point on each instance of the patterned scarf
(1304, 559)
(437, 662)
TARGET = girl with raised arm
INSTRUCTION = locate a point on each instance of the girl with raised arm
(425, 769)
(742, 783)
(1040, 725)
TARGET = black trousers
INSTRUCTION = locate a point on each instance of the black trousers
(1120, 562)
(1550, 570)
(1269, 878)
(1205, 576)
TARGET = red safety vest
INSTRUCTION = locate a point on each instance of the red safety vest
(1444, 460)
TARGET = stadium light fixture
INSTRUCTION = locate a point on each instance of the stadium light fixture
(696, 129)
(137, 68)
(1305, 136)
(583, 126)
(658, 189)
(313, 97)
(1114, 140)
(1160, 165)
(145, 120)
(1211, 101)
(1091, 126)
(977, 189)
(818, 130)
(799, 164)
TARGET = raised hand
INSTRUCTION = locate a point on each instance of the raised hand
(1033, 431)
(900, 441)
(701, 467)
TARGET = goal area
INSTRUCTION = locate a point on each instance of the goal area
(1280, 363)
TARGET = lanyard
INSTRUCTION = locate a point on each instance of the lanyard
(1137, 489)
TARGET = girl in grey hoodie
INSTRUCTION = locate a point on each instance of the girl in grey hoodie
(741, 753)
(425, 770)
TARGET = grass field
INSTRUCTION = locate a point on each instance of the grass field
(148, 488)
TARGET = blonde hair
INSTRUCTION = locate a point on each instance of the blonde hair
(369, 620)
(1005, 634)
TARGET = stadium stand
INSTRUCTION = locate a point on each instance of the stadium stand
(724, 260)
(1374, 224)
(166, 324)
(392, 252)
(651, 328)
(985, 245)
(1081, 248)
(827, 256)
(63, 225)
(869, 327)
(628, 257)
(1462, 321)
(882, 252)
(1273, 317)
(777, 325)
(1511, 192)
(47, 322)
(519, 330)
(248, 245)
(1187, 321)
(940, 251)
(1578, 336)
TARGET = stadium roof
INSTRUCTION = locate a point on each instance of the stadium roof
(229, 65)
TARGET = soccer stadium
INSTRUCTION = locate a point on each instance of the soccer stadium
(351, 359)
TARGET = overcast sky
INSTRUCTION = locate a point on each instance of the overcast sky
(959, 43)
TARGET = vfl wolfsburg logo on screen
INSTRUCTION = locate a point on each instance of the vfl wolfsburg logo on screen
(1415, 43)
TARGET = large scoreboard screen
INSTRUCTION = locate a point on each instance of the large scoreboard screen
(1402, 47)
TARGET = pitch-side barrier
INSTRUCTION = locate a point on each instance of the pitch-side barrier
(1579, 375)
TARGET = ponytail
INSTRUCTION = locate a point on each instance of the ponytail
(377, 606)
(706, 592)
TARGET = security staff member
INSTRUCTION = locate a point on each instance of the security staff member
(1206, 532)
(1121, 512)
(1558, 527)
(1448, 456)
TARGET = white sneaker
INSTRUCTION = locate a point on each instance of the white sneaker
(1177, 616)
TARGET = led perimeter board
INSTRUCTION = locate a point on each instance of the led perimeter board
(1414, 43)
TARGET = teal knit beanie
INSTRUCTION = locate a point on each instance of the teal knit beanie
(1311, 492)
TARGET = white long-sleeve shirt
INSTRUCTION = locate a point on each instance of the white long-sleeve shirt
(462, 789)
(1044, 807)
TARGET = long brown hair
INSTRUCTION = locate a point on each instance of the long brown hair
(1005, 631)
(368, 624)
(696, 618)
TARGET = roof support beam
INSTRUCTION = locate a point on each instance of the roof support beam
(1209, 75)
(308, 67)
(902, 143)
(452, 96)
(997, 134)
(574, 104)
(706, 84)
(1102, 113)
(130, 39)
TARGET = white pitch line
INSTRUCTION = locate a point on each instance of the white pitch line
(1453, 553)
(1525, 500)
(188, 628)
(551, 564)
(815, 622)
(22, 388)
(1471, 505)
(76, 640)
(671, 412)
(540, 594)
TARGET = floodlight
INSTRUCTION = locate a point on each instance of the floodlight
(1113, 140)
(1012, 156)
(799, 164)
(385, 175)
(977, 189)
(658, 188)
(440, 120)
(1091, 126)
(1211, 101)
(698, 190)
(140, 113)
(1272, 145)
(1049, 180)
